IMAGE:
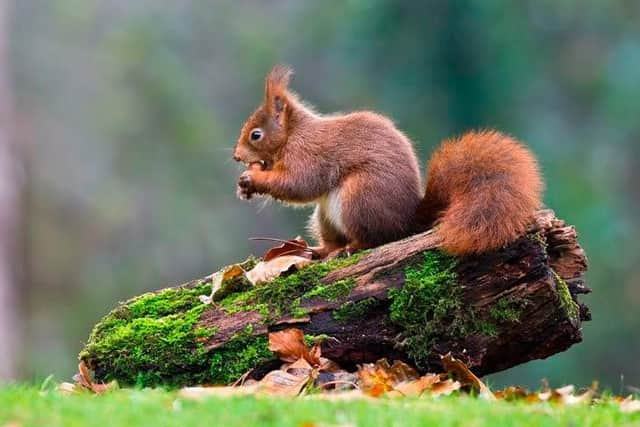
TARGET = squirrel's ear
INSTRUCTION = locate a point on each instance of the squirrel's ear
(275, 92)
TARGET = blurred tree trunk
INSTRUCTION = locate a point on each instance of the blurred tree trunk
(10, 179)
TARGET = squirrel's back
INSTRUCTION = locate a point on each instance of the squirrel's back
(482, 191)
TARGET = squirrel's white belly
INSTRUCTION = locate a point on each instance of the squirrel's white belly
(331, 207)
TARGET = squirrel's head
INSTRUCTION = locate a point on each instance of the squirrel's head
(265, 132)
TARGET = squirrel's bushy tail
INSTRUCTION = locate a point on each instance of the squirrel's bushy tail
(482, 191)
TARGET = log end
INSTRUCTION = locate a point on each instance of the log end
(156, 338)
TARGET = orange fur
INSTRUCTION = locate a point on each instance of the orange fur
(362, 174)
(488, 185)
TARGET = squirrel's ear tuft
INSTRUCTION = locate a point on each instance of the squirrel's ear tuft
(275, 91)
(278, 77)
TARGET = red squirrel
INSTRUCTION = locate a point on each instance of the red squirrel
(362, 174)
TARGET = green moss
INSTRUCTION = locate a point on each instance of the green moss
(147, 347)
(284, 294)
(153, 339)
(333, 291)
(297, 311)
(310, 340)
(238, 356)
(506, 310)
(236, 284)
(566, 301)
(482, 327)
(427, 303)
(429, 308)
(353, 310)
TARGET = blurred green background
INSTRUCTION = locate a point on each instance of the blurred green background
(127, 111)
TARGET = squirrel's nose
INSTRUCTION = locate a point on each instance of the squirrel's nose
(236, 158)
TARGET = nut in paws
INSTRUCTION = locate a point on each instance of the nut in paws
(245, 188)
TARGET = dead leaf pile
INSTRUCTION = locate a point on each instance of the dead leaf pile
(399, 379)
(306, 372)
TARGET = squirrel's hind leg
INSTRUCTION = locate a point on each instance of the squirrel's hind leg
(330, 241)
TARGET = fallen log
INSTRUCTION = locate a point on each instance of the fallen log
(404, 300)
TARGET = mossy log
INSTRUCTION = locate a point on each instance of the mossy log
(404, 300)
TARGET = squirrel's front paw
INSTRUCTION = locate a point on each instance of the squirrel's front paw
(246, 188)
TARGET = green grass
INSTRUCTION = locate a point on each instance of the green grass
(25, 406)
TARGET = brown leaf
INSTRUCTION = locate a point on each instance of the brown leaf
(266, 271)
(281, 383)
(218, 280)
(379, 378)
(328, 365)
(375, 379)
(417, 387)
(83, 379)
(465, 376)
(289, 346)
(298, 368)
(445, 388)
(400, 379)
(295, 246)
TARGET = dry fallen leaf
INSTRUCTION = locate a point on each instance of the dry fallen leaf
(295, 246)
(375, 379)
(417, 387)
(267, 271)
(281, 383)
(444, 388)
(400, 379)
(83, 380)
(299, 367)
(465, 376)
(218, 280)
(278, 260)
(289, 346)
(630, 405)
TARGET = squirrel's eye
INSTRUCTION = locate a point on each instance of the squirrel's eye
(256, 135)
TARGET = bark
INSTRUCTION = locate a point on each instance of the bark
(500, 309)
